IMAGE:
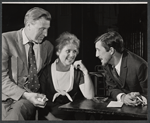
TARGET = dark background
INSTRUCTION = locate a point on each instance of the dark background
(87, 21)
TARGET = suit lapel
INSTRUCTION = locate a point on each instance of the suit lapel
(21, 52)
(123, 72)
(40, 58)
(116, 80)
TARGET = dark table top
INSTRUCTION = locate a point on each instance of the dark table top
(90, 106)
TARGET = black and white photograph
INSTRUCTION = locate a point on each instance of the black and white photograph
(74, 61)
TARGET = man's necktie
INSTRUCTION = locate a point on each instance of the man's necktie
(116, 76)
(114, 72)
(33, 82)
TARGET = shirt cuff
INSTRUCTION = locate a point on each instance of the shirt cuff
(119, 97)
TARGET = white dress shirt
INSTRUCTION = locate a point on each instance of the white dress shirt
(36, 49)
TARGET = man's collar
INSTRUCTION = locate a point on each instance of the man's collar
(119, 63)
(25, 39)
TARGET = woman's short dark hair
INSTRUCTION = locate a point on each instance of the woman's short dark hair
(112, 39)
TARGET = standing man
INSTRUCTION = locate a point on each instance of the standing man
(24, 54)
(126, 73)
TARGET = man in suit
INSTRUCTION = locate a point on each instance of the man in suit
(126, 73)
(18, 101)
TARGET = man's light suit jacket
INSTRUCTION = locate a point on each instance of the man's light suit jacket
(14, 63)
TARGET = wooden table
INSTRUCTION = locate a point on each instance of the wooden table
(90, 106)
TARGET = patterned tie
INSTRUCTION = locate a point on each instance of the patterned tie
(33, 82)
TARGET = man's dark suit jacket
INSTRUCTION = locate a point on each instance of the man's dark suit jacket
(133, 76)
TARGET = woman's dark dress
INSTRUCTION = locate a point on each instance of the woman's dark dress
(47, 88)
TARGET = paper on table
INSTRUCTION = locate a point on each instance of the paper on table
(115, 104)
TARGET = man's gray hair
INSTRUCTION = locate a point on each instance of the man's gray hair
(35, 14)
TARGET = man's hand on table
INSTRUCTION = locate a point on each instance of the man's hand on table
(133, 99)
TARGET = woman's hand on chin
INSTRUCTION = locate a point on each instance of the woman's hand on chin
(79, 65)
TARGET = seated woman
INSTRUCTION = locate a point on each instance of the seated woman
(62, 80)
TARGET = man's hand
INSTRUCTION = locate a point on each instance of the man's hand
(38, 100)
(133, 99)
(128, 100)
(140, 100)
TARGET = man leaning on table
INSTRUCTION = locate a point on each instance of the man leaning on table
(24, 54)
(126, 73)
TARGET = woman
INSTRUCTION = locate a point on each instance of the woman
(63, 79)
